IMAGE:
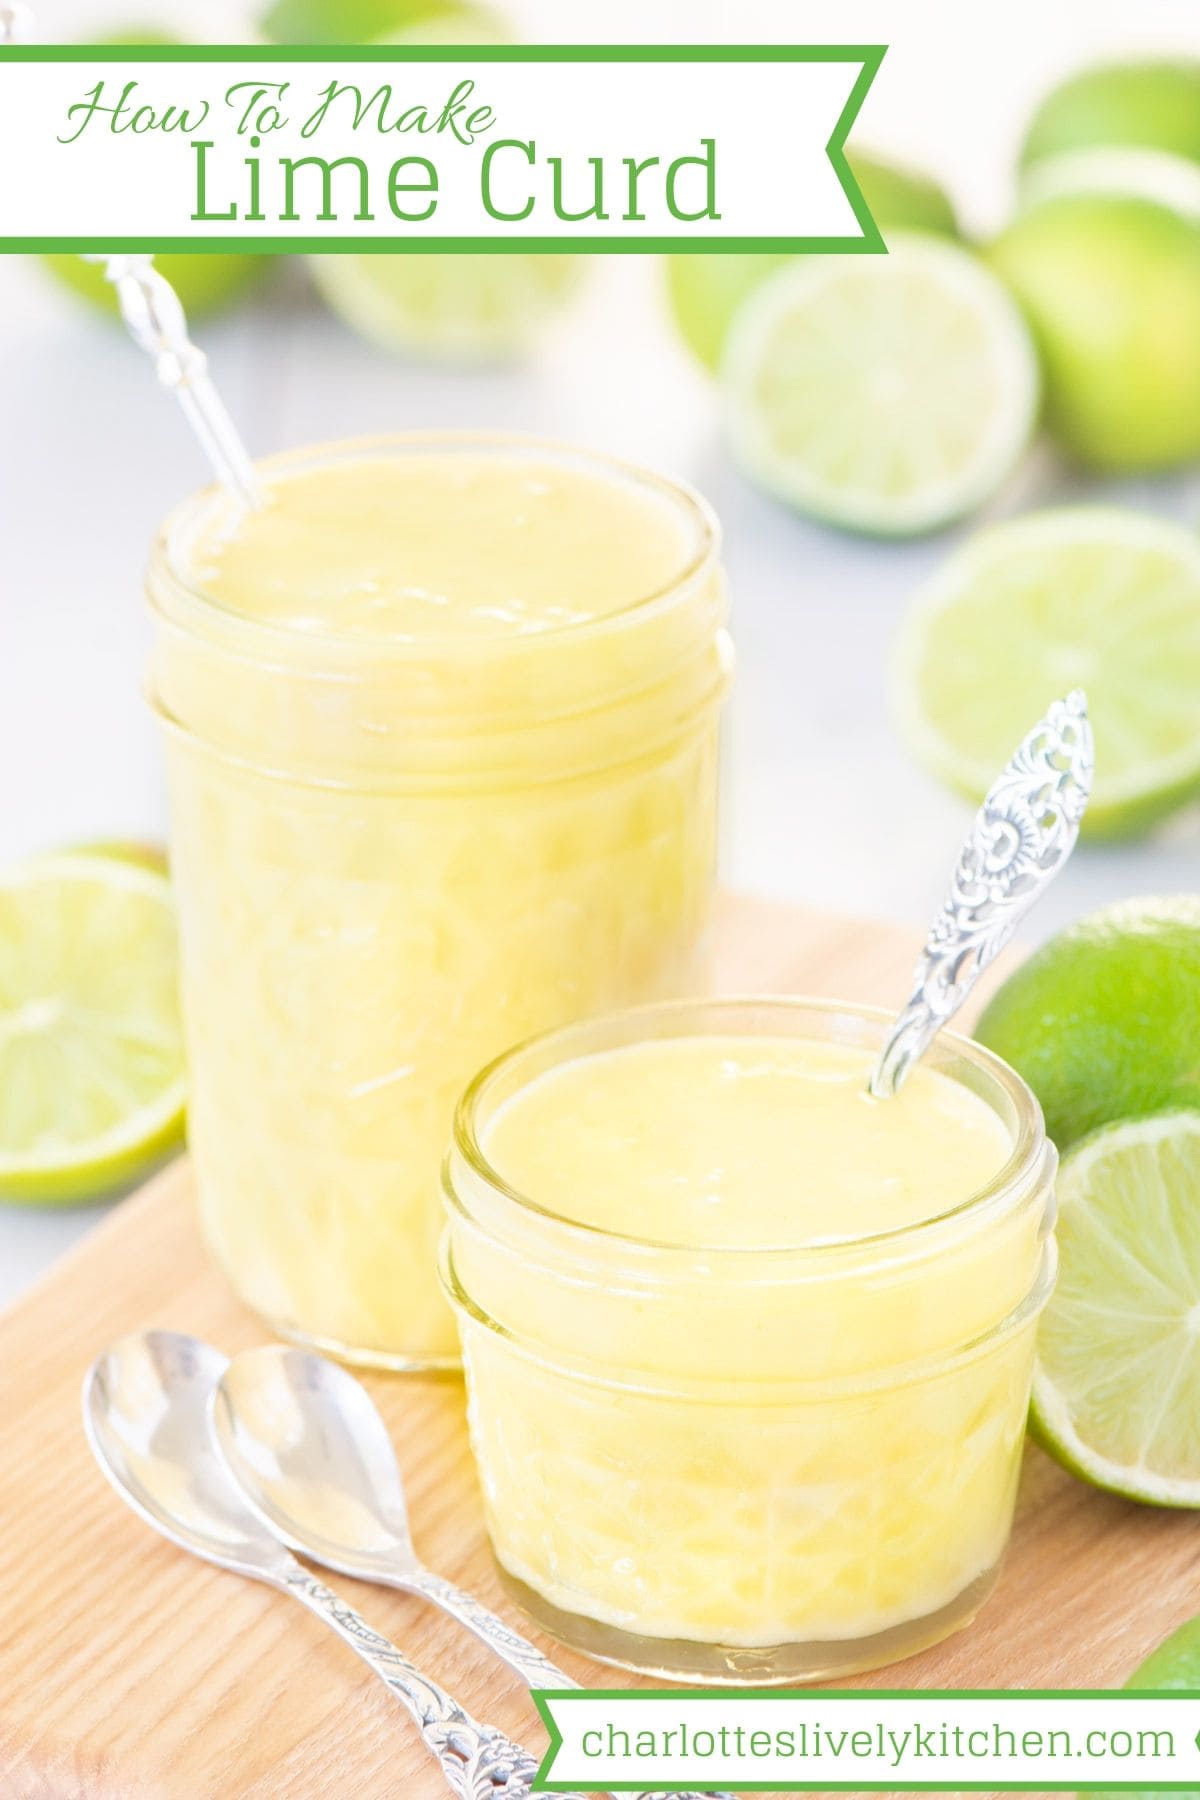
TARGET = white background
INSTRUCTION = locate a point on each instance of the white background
(821, 803)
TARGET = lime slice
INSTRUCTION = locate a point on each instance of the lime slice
(706, 288)
(887, 394)
(447, 306)
(1155, 175)
(1116, 1387)
(1088, 597)
(91, 1052)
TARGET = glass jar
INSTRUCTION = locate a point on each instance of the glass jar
(393, 857)
(735, 1464)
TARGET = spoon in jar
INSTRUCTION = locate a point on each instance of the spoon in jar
(1023, 833)
(145, 1412)
(311, 1454)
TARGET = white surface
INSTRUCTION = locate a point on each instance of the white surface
(821, 803)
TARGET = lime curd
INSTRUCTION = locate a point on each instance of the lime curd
(748, 1351)
(442, 751)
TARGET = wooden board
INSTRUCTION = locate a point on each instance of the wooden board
(128, 1671)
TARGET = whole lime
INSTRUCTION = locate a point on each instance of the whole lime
(204, 280)
(1134, 105)
(1110, 285)
(1103, 1021)
(1175, 1664)
(706, 290)
(381, 21)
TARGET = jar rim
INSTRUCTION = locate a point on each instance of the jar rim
(1028, 1150)
(165, 562)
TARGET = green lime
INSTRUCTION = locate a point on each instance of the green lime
(884, 394)
(1103, 1021)
(1175, 1664)
(1170, 181)
(1116, 1381)
(382, 21)
(204, 280)
(1111, 287)
(91, 1049)
(1089, 597)
(705, 290)
(459, 307)
(1140, 105)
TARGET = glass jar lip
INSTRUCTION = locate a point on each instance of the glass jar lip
(165, 562)
(1029, 1148)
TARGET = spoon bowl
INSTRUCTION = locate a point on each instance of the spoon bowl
(145, 1404)
(312, 1456)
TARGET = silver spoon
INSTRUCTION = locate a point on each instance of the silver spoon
(307, 1447)
(145, 1412)
(1023, 833)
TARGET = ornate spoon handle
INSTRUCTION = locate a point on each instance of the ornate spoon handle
(524, 1658)
(1023, 834)
(478, 1761)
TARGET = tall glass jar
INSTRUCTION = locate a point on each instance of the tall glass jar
(396, 854)
(741, 1463)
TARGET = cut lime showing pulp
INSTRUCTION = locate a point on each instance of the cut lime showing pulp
(1116, 1389)
(888, 394)
(447, 306)
(1096, 598)
(91, 1051)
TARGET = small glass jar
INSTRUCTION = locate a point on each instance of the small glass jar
(745, 1464)
(395, 856)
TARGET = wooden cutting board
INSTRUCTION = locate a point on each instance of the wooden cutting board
(129, 1671)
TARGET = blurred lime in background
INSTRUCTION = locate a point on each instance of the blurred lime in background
(204, 281)
(91, 1048)
(883, 394)
(705, 290)
(383, 21)
(469, 307)
(436, 305)
(1111, 287)
(1151, 105)
(1092, 597)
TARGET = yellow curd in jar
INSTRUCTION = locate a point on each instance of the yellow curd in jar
(748, 1351)
(442, 755)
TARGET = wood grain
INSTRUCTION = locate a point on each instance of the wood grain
(130, 1672)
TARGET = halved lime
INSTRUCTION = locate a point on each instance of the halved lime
(1091, 597)
(91, 1050)
(706, 288)
(887, 394)
(468, 307)
(1116, 1387)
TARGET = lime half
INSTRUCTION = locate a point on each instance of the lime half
(470, 307)
(1116, 1388)
(1087, 597)
(889, 394)
(91, 1051)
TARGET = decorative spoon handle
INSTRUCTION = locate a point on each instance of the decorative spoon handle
(477, 1760)
(524, 1658)
(1023, 834)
